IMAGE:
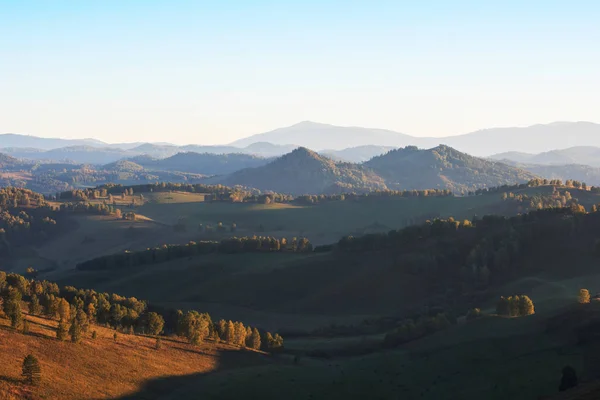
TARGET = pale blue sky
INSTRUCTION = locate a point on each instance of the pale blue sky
(214, 71)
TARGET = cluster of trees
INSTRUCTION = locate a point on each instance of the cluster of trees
(25, 218)
(515, 306)
(217, 192)
(463, 255)
(411, 330)
(169, 252)
(556, 199)
(197, 327)
(76, 310)
(372, 195)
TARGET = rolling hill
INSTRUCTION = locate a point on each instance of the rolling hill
(442, 167)
(205, 163)
(8, 162)
(303, 171)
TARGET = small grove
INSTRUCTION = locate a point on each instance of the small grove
(254, 244)
(77, 310)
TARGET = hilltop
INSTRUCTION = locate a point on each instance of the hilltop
(442, 167)
(304, 171)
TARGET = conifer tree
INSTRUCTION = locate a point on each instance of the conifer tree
(230, 332)
(64, 310)
(255, 339)
(16, 317)
(34, 305)
(222, 328)
(75, 331)
(239, 336)
(62, 331)
(32, 370)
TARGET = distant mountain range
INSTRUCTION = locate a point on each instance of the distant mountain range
(532, 139)
(305, 172)
(301, 171)
(584, 155)
(329, 139)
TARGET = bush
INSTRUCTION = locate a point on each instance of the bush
(584, 296)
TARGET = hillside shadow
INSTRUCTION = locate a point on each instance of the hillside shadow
(162, 387)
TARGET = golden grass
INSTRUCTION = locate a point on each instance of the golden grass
(102, 368)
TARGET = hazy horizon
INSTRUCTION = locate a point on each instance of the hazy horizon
(212, 73)
(251, 134)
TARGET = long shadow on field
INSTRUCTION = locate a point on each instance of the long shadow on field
(163, 387)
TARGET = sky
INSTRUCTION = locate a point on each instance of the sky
(211, 72)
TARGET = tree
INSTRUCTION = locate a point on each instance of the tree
(503, 307)
(94, 335)
(62, 331)
(16, 317)
(32, 370)
(526, 306)
(25, 326)
(222, 328)
(569, 379)
(255, 339)
(34, 305)
(155, 323)
(230, 332)
(82, 320)
(64, 310)
(514, 302)
(584, 296)
(239, 335)
(75, 332)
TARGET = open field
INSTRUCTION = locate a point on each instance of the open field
(102, 368)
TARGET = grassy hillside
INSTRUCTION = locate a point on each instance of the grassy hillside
(102, 368)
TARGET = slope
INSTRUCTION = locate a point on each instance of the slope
(442, 167)
(103, 368)
(304, 171)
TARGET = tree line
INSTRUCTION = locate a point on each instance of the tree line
(76, 310)
(235, 245)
